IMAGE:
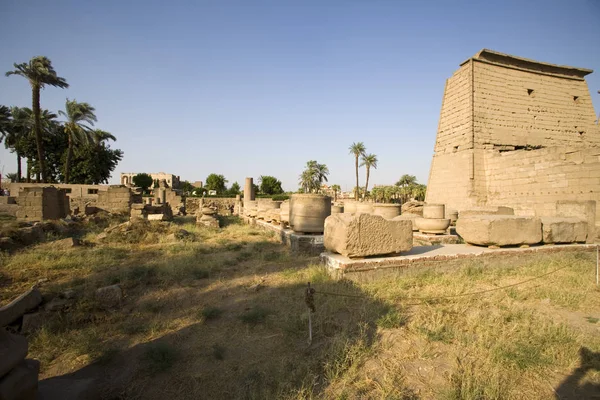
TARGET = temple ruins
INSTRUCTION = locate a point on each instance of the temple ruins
(515, 132)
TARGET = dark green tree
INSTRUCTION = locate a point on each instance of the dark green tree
(234, 189)
(186, 188)
(216, 182)
(39, 72)
(25, 144)
(270, 185)
(143, 180)
(5, 121)
(93, 164)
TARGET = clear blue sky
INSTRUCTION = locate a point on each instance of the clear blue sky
(249, 88)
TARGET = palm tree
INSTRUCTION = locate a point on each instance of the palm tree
(358, 149)
(77, 131)
(101, 136)
(18, 139)
(313, 176)
(306, 180)
(320, 172)
(336, 189)
(19, 128)
(368, 160)
(406, 180)
(39, 72)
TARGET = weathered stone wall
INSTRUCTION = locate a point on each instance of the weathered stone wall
(117, 199)
(533, 181)
(79, 195)
(172, 180)
(454, 129)
(515, 132)
(223, 205)
(40, 203)
(175, 201)
(557, 112)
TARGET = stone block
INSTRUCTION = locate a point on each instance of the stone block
(32, 322)
(408, 217)
(585, 210)
(19, 306)
(362, 235)
(22, 382)
(64, 244)
(13, 349)
(499, 230)
(564, 230)
(501, 210)
(109, 296)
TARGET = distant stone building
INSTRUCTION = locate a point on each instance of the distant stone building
(172, 180)
(515, 132)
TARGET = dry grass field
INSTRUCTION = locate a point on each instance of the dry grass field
(221, 315)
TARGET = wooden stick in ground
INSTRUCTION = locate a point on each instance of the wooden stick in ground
(597, 264)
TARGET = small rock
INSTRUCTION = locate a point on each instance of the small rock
(69, 294)
(56, 304)
(32, 322)
(41, 281)
(64, 244)
(102, 236)
(109, 296)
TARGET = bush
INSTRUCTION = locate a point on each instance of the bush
(281, 197)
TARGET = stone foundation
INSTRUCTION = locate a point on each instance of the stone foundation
(298, 243)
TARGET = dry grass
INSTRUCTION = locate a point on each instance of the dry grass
(221, 314)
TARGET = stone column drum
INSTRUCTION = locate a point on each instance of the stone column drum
(365, 208)
(249, 189)
(308, 212)
(388, 211)
(349, 207)
(434, 211)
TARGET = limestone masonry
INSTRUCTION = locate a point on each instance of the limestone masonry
(515, 132)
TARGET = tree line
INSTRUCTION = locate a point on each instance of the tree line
(69, 151)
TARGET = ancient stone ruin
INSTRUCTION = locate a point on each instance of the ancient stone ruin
(42, 203)
(515, 132)
(117, 199)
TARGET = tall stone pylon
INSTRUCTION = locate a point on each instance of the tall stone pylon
(515, 132)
